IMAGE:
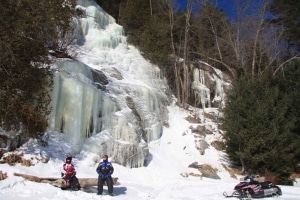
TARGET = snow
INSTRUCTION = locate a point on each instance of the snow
(159, 179)
(161, 176)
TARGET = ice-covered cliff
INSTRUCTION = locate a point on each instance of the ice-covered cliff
(109, 99)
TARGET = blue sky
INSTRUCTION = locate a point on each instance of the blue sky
(227, 5)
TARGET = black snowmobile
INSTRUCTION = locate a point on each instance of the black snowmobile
(250, 188)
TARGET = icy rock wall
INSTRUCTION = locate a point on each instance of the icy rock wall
(209, 85)
(109, 99)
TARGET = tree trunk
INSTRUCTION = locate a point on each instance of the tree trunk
(60, 182)
(243, 165)
(185, 86)
(170, 13)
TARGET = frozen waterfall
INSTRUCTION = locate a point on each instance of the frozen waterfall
(108, 99)
(208, 85)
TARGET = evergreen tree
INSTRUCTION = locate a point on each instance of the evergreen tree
(290, 85)
(287, 12)
(258, 126)
(112, 7)
(211, 23)
(29, 30)
(146, 27)
(135, 14)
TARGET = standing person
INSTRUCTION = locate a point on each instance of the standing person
(105, 170)
(69, 174)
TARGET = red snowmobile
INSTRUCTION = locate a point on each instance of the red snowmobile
(250, 188)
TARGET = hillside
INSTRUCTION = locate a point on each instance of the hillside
(163, 176)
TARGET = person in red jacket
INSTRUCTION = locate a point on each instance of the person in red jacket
(70, 174)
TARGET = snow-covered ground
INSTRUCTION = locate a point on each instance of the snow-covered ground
(159, 179)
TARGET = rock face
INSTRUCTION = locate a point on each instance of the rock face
(209, 86)
(205, 129)
(206, 170)
(9, 141)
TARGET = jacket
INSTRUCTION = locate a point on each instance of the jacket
(69, 169)
(105, 168)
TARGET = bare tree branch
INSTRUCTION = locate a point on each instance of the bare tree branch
(282, 64)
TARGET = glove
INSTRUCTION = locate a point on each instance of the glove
(62, 174)
(108, 175)
(102, 176)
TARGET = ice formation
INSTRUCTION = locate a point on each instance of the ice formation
(108, 99)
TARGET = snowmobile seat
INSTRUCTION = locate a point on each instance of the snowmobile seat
(266, 184)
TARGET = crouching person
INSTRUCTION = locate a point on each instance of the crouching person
(105, 170)
(69, 174)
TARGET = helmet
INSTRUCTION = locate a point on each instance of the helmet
(68, 158)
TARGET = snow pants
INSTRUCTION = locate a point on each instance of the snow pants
(72, 182)
(109, 183)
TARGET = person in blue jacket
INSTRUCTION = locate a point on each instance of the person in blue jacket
(105, 170)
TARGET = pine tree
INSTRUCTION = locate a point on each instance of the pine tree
(289, 84)
(112, 7)
(258, 126)
(288, 13)
(29, 30)
(146, 26)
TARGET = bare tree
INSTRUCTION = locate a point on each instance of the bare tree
(186, 62)
(180, 50)
(170, 5)
(252, 42)
(151, 7)
(216, 20)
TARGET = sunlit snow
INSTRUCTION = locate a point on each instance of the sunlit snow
(159, 179)
(96, 121)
